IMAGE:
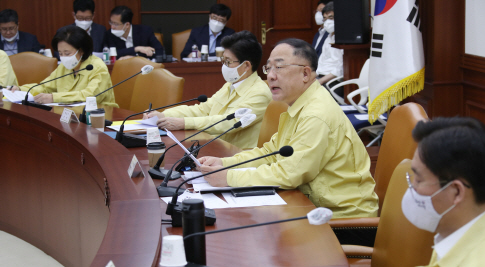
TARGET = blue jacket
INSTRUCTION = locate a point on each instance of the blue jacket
(27, 43)
(142, 36)
(200, 36)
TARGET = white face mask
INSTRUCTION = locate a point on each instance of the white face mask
(216, 26)
(70, 62)
(230, 74)
(419, 210)
(11, 39)
(329, 26)
(83, 24)
(319, 18)
(118, 33)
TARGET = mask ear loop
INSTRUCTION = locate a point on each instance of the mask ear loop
(439, 191)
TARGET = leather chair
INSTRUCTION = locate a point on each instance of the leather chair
(159, 37)
(397, 145)
(31, 67)
(178, 42)
(122, 70)
(160, 87)
(271, 118)
(398, 242)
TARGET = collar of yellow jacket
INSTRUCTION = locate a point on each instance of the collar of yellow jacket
(248, 82)
(84, 63)
(303, 99)
(470, 241)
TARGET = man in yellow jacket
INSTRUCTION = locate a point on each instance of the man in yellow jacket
(446, 191)
(7, 75)
(244, 89)
(330, 163)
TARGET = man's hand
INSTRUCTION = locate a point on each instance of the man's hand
(218, 179)
(153, 114)
(171, 124)
(44, 98)
(210, 161)
(147, 50)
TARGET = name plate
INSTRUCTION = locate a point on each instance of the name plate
(68, 116)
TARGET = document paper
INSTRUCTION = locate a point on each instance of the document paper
(170, 134)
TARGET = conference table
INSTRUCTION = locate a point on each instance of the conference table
(65, 188)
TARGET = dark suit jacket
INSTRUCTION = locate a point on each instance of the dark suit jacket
(200, 36)
(142, 36)
(318, 49)
(97, 33)
(27, 43)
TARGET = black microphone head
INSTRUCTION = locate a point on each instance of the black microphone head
(231, 116)
(237, 125)
(202, 98)
(89, 67)
(286, 151)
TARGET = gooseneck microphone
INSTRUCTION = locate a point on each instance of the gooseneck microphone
(164, 190)
(131, 140)
(144, 70)
(44, 107)
(157, 173)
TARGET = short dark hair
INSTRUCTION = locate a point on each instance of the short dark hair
(244, 45)
(453, 148)
(9, 15)
(328, 7)
(83, 5)
(221, 10)
(125, 12)
(302, 49)
(76, 37)
(325, 2)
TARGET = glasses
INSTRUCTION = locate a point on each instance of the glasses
(227, 61)
(9, 29)
(114, 24)
(442, 183)
(267, 69)
(84, 18)
(219, 18)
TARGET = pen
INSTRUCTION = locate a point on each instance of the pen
(150, 108)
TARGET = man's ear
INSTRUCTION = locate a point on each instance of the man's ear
(307, 72)
(74, 15)
(460, 191)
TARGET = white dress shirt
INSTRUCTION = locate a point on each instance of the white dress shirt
(331, 60)
(129, 39)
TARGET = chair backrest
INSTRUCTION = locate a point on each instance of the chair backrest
(160, 87)
(178, 43)
(159, 37)
(397, 144)
(398, 242)
(121, 71)
(31, 67)
(271, 119)
(364, 75)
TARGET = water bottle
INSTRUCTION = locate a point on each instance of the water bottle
(106, 55)
(193, 221)
(195, 51)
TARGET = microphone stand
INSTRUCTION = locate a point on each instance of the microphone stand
(82, 116)
(44, 107)
(157, 173)
(131, 140)
(166, 191)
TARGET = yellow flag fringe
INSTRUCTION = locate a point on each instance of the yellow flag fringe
(395, 94)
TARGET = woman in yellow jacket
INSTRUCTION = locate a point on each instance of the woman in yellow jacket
(7, 75)
(75, 49)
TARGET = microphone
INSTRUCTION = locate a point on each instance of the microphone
(44, 107)
(164, 190)
(175, 209)
(194, 233)
(144, 70)
(156, 173)
(131, 140)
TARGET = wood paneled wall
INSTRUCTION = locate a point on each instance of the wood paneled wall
(44, 17)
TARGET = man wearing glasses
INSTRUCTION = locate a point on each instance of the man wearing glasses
(330, 163)
(210, 34)
(446, 191)
(244, 89)
(131, 40)
(83, 13)
(12, 40)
